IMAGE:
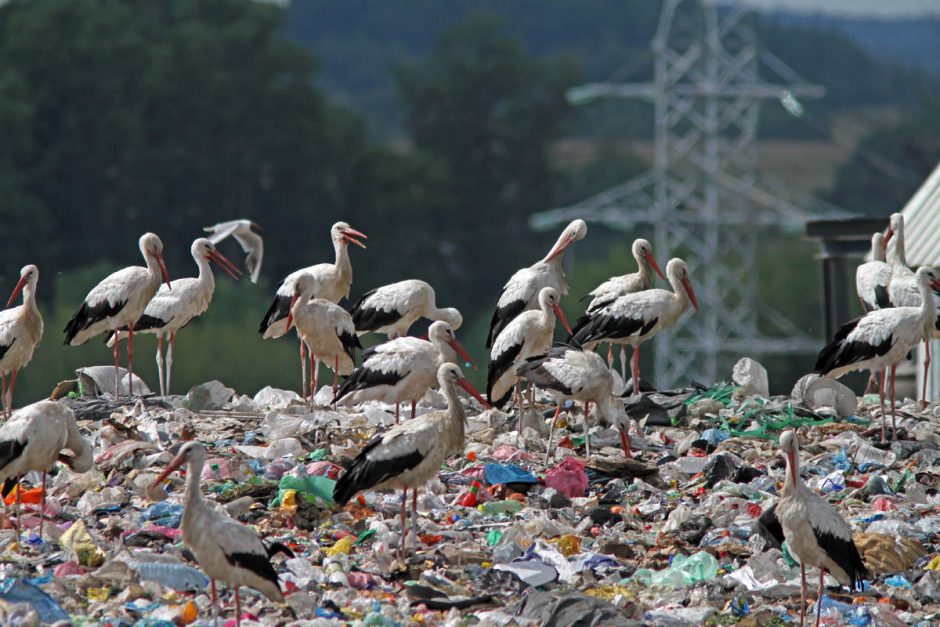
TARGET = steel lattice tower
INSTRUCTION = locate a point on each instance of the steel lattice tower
(702, 195)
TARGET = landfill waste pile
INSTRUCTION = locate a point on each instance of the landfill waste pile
(506, 535)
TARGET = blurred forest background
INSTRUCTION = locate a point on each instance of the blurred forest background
(437, 128)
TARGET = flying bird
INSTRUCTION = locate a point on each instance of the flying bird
(248, 236)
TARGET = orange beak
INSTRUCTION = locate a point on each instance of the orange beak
(559, 248)
(688, 288)
(173, 465)
(561, 316)
(290, 316)
(16, 290)
(166, 275)
(888, 235)
(650, 259)
(454, 344)
(350, 235)
(466, 385)
(230, 268)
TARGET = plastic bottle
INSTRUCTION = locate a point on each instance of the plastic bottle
(176, 576)
(500, 507)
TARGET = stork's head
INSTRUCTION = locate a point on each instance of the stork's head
(642, 249)
(204, 249)
(29, 275)
(441, 332)
(452, 316)
(790, 448)
(549, 300)
(678, 273)
(572, 233)
(304, 284)
(255, 227)
(929, 276)
(342, 233)
(449, 375)
(895, 225)
(190, 453)
(152, 248)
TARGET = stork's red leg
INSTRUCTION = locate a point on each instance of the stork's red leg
(130, 359)
(238, 609)
(398, 413)
(414, 517)
(117, 378)
(414, 407)
(404, 528)
(161, 373)
(169, 360)
(335, 374)
(881, 403)
(3, 393)
(636, 370)
(610, 354)
(42, 504)
(802, 593)
(926, 366)
(822, 576)
(551, 433)
(215, 599)
(894, 420)
(303, 369)
(314, 377)
(587, 429)
(623, 362)
(18, 494)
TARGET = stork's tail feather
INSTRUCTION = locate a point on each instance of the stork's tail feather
(276, 547)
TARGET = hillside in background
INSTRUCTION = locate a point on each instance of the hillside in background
(361, 44)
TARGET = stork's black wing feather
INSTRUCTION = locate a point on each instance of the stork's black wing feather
(5, 348)
(366, 473)
(258, 564)
(498, 367)
(501, 317)
(10, 450)
(87, 315)
(843, 552)
(364, 377)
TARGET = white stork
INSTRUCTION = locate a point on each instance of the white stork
(635, 318)
(815, 532)
(392, 309)
(617, 286)
(410, 454)
(326, 329)
(530, 333)
(223, 547)
(402, 369)
(332, 280)
(248, 236)
(118, 301)
(33, 439)
(902, 286)
(178, 303)
(872, 277)
(581, 376)
(880, 339)
(522, 290)
(20, 332)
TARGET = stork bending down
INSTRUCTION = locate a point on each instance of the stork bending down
(392, 309)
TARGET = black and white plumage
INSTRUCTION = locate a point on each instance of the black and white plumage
(326, 329)
(580, 375)
(880, 339)
(902, 286)
(333, 280)
(20, 332)
(529, 334)
(872, 277)
(248, 236)
(224, 548)
(392, 309)
(118, 301)
(635, 318)
(33, 439)
(816, 534)
(402, 369)
(617, 286)
(410, 454)
(178, 303)
(521, 291)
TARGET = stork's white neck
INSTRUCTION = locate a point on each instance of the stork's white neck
(343, 266)
(456, 415)
(193, 496)
(205, 277)
(897, 252)
(29, 298)
(793, 470)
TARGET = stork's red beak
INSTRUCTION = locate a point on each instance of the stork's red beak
(688, 289)
(791, 460)
(350, 235)
(16, 290)
(454, 344)
(290, 316)
(230, 268)
(560, 247)
(173, 465)
(650, 259)
(935, 285)
(561, 316)
(166, 275)
(888, 235)
(466, 385)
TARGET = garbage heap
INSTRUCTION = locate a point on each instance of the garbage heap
(510, 534)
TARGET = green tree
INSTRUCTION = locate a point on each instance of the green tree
(487, 112)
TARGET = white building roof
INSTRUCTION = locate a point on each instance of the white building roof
(922, 223)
